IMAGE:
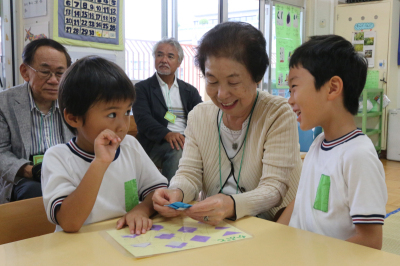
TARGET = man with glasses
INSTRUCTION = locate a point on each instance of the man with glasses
(30, 119)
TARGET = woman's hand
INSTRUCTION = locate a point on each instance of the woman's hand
(215, 208)
(165, 196)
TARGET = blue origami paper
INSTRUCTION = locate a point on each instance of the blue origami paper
(180, 206)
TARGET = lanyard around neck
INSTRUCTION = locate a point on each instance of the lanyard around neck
(244, 147)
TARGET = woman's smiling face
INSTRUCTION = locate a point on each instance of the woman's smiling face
(230, 86)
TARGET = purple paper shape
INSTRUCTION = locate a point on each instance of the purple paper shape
(221, 228)
(200, 238)
(156, 227)
(130, 236)
(176, 244)
(228, 233)
(141, 245)
(187, 229)
(165, 236)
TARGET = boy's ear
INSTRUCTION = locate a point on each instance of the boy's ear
(335, 87)
(72, 120)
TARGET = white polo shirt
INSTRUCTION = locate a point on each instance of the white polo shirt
(128, 179)
(357, 192)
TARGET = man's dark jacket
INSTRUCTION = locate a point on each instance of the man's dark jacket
(149, 109)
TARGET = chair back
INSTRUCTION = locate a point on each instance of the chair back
(23, 219)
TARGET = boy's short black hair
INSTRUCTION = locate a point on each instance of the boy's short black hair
(238, 41)
(90, 80)
(29, 51)
(326, 56)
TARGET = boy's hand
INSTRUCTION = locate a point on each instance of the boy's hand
(138, 222)
(105, 146)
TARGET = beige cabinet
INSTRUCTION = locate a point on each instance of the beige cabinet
(385, 17)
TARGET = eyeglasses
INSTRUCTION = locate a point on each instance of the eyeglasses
(46, 74)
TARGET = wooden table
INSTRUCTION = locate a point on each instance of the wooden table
(272, 244)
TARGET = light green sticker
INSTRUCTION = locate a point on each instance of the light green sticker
(170, 117)
(131, 195)
(37, 159)
(322, 198)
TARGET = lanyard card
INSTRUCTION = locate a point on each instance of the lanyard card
(170, 117)
(37, 159)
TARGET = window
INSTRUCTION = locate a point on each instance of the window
(239, 10)
(142, 31)
(194, 19)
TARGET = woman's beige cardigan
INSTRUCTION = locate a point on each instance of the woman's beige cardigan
(271, 164)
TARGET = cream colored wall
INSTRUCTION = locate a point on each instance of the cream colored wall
(320, 17)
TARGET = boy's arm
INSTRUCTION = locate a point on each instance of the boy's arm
(287, 213)
(369, 235)
(138, 218)
(76, 208)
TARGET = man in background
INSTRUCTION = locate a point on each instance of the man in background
(162, 106)
(30, 120)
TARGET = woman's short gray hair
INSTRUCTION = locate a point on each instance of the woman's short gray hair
(172, 42)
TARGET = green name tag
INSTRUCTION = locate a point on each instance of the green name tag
(170, 117)
(322, 197)
(131, 195)
(37, 159)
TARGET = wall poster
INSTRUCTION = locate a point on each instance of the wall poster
(364, 44)
(36, 31)
(287, 28)
(34, 8)
(92, 23)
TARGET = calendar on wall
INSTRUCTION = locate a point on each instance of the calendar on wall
(93, 23)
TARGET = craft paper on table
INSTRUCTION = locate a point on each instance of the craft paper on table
(176, 234)
(180, 206)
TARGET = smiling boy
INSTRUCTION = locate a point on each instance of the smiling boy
(342, 191)
(102, 173)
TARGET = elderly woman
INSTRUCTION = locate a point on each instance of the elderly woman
(241, 149)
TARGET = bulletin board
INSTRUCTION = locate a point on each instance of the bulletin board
(287, 29)
(90, 23)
